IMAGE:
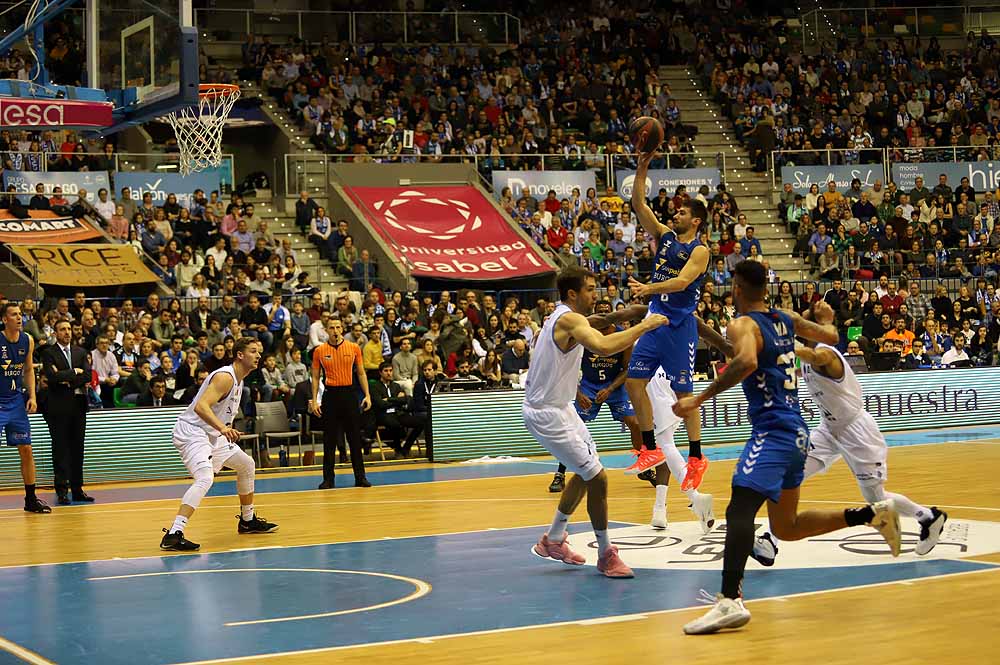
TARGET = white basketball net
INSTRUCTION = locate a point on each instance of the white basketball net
(199, 128)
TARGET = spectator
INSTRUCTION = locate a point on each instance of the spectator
(405, 368)
(274, 387)
(106, 366)
(956, 353)
(295, 370)
(256, 321)
(364, 273)
(514, 360)
(156, 395)
(39, 201)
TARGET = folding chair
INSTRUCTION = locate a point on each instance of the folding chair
(272, 423)
(243, 423)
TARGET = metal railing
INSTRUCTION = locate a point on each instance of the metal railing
(881, 160)
(309, 171)
(362, 27)
(824, 26)
(121, 161)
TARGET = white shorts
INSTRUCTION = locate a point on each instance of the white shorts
(663, 398)
(561, 432)
(860, 443)
(200, 450)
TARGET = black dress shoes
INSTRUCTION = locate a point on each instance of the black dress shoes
(325, 486)
(362, 482)
(82, 496)
(62, 498)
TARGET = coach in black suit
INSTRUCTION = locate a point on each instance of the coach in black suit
(68, 372)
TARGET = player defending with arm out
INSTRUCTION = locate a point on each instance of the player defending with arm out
(550, 417)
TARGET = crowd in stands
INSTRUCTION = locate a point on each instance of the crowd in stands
(907, 95)
(566, 94)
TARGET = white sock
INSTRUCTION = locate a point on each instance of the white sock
(661, 496)
(908, 508)
(691, 494)
(246, 512)
(558, 528)
(675, 462)
(603, 542)
(179, 523)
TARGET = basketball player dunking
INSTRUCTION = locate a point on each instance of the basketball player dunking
(550, 388)
(678, 271)
(849, 431)
(206, 440)
(771, 466)
(17, 399)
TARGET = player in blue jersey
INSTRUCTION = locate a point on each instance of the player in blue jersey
(602, 381)
(17, 398)
(773, 461)
(678, 271)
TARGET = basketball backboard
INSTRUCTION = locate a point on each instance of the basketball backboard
(144, 53)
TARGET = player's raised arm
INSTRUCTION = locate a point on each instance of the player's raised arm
(821, 329)
(747, 343)
(647, 218)
(578, 328)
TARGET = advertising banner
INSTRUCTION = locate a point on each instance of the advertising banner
(24, 183)
(44, 226)
(899, 401)
(669, 179)
(537, 184)
(804, 177)
(85, 265)
(62, 113)
(983, 176)
(448, 233)
(160, 185)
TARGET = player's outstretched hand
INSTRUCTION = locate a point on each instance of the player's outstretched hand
(655, 321)
(822, 313)
(637, 288)
(685, 405)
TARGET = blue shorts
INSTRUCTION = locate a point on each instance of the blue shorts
(774, 459)
(671, 347)
(618, 403)
(14, 422)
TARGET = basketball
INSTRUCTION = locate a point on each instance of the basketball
(646, 133)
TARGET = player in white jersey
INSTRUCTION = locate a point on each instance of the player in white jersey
(205, 438)
(665, 423)
(550, 388)
(849, 431)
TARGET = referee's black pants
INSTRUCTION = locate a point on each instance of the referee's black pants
(341, 418)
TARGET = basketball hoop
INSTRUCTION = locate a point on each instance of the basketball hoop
(199, 128)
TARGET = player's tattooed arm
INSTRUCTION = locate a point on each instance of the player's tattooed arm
(713, 338)
(816, 324)
(630, 313)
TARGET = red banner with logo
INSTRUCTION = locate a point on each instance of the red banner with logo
(54, 113)
(449, 233)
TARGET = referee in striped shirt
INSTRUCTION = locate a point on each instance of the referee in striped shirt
(340, 412)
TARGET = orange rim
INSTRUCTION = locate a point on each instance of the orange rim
(214, 90)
